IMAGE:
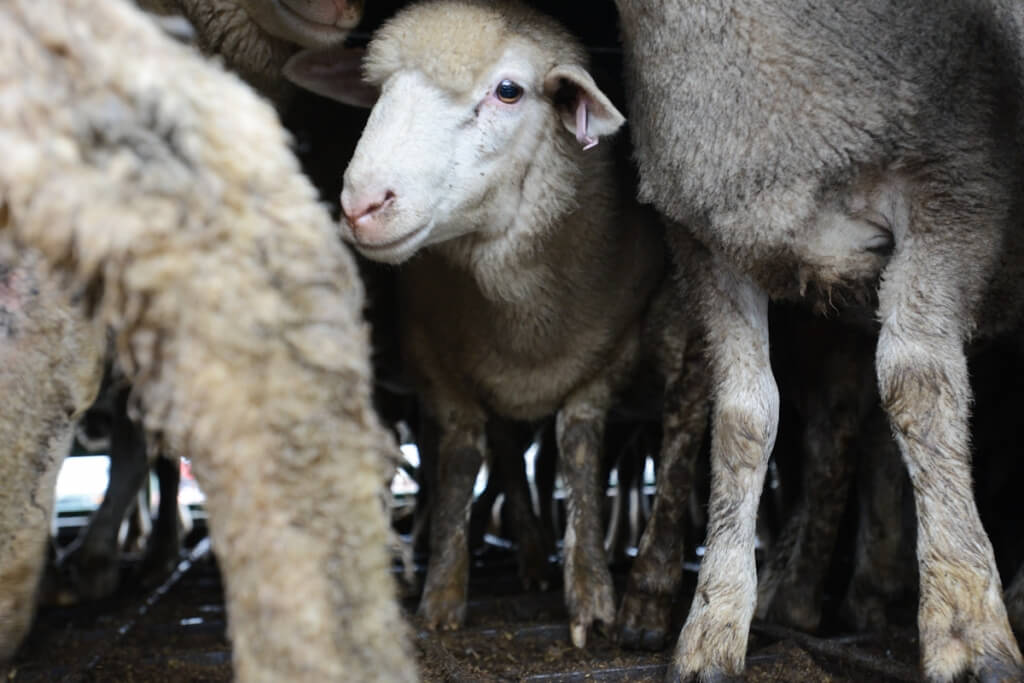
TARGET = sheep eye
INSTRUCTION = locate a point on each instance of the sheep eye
(508, 92)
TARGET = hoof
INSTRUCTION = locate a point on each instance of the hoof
(91, 578)
(993, 672)
(534, 568)
(591, 600)
(643, 621)
(675, 676)
(443, 610)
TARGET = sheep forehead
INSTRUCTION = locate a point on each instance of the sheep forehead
(455, 43)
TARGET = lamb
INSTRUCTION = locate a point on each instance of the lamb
(52, 363)
(531, 288)
(838, 153)
(256, 37)
(236, 312)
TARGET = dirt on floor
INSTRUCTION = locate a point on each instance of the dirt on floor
(177, 633)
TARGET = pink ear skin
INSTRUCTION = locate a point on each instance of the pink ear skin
(334, 72)
(582, 124)
(585, 111)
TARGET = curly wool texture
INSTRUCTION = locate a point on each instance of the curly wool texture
(166, 189)
(51, 363)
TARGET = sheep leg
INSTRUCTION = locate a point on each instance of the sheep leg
(878, 573)
(507, 448)
(93, 562)
(24, 530)
(745, 417)
(790, 587)
(1015, 601)
(461, 452)
(654, 580)
(923, 381)
(50, 370)
(163, 549)
(545, 469)
(579, 430)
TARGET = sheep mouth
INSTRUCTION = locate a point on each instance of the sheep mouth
(309, 32)
(392, 245)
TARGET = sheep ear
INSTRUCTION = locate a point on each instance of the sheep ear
(586, 112)
(334, 72)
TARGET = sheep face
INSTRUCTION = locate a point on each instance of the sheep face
(433, 164)
(478, 106)
(309, 24)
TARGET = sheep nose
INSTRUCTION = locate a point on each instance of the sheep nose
(362, 212)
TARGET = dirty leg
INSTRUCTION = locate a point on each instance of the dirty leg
(744, 420)
(443, 605)
(589, 592)
(643, 618)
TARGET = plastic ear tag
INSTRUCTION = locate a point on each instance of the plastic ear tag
(582, 126)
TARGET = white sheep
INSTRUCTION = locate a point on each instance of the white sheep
(837, 153)
(165, 188)
(256, 37)
(51, 363)
(531, 284)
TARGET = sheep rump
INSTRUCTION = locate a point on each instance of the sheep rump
(236, 313)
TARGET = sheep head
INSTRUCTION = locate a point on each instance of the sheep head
(482, 110)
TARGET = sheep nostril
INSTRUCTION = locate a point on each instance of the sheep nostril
(360, 213)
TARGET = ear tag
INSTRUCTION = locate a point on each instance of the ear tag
(582, 126)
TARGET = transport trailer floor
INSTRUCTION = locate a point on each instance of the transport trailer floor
(177, 633)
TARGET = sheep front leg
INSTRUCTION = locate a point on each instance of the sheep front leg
(579, 430)
(443, 605)
(923, 381)
(643, 619)
(507, 443)
(744, 421)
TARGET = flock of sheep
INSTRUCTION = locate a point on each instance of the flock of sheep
(863, 159)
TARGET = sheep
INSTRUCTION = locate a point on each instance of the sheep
(177, 209)
(824, 370)
(91, 563)
(841, 153)
(1015, 601)
(256, 37)
(530, 287)
(50, 372)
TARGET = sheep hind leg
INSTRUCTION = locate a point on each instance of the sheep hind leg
(713, 642)
(461, 452)
(791, 586)
(922, 376)
(654, 580)
(93, 563)
(881, 559)
(163, 550)
(589, 592)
